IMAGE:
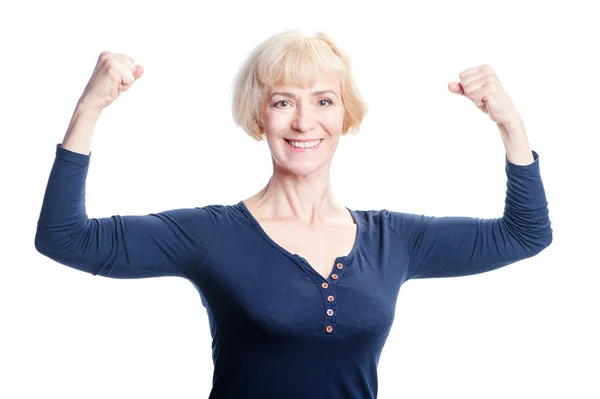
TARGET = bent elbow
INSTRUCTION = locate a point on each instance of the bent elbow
(529, 238)
(40, 243)
(48, 245)
(548, 239)
(541, 242)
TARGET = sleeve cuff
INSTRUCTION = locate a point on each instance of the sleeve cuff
(71, 156)
(533, 167)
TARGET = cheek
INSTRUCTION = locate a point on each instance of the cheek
(335, 120)
(275, 121)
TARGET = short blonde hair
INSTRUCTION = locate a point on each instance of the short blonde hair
(293, 57)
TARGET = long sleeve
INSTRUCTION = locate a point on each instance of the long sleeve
(169, 243)
(457, 246)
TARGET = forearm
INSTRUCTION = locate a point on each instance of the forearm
(81, 128)
(516, 144)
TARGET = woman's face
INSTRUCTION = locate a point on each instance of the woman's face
(303, 125)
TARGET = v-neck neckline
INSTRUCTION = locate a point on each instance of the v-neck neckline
(345, 258)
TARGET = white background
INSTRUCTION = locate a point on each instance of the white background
(528, 330)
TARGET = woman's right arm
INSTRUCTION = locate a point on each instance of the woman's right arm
(169, 243)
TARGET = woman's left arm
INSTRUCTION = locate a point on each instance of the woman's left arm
(458, 246)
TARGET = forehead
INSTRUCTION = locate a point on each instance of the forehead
(317, 83)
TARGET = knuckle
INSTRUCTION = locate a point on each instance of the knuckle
(126, 57)
(105, 55)
(110, 64)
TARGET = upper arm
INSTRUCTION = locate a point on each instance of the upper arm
(168, 243)
(457, 246)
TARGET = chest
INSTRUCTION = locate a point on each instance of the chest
(253, 288)
(319, 246)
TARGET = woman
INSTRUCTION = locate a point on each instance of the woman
(300, 290)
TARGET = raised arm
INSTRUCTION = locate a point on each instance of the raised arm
(169, 243)
(457, 246)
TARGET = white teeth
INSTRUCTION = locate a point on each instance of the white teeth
(304, 144)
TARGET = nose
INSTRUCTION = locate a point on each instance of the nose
(304, 118)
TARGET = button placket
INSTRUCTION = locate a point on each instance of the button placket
(330, 298)
(336, 273)
(330, 307)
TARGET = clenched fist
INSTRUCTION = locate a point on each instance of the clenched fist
(113, 74)
(481, 85)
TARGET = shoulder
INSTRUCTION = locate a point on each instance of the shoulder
(385, 221)
(217, 212)
(204, 217)
(393, 218)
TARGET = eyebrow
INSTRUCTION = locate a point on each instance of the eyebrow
(315, 93)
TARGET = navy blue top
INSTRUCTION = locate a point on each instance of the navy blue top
(278, 331)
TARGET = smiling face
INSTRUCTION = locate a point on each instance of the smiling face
(303, 125)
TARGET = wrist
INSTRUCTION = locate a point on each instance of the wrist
(513, 126)
(88, 107)
(515, 141)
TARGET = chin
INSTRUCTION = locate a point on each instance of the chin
(299, 169)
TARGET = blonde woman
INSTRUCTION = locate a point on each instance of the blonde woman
(300, 290)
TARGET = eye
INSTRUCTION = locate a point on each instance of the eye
(281, 102)
(324, 102)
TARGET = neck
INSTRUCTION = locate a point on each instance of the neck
(291, 196)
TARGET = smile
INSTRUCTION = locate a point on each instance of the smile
(304, 146)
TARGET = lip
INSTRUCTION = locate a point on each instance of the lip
(303, 140)
(311, 149)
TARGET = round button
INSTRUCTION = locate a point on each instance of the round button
(330, 298)
(339, 266)
(329, 312)
(329, 329)
(324, 285)
(334, 276)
